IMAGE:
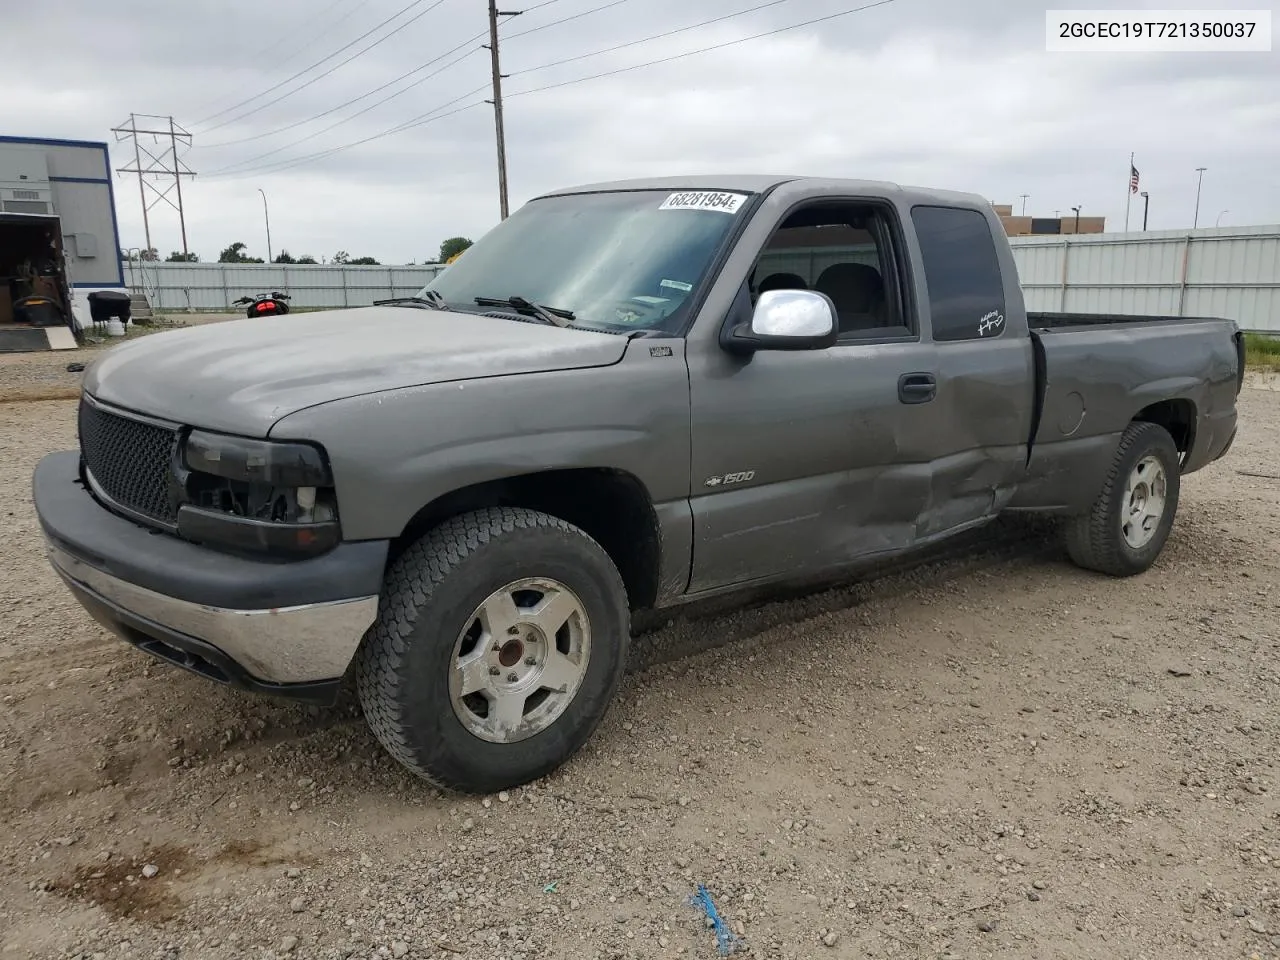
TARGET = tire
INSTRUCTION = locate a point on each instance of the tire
(444, 603)
(1112, 539)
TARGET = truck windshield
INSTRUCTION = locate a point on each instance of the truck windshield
(614, 261)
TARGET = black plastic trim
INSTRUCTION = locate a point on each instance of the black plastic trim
(253, 537)
(149, 558)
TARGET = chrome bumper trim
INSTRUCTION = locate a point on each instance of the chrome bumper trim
(281, 645)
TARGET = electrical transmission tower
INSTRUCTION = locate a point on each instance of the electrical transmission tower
(164, 169)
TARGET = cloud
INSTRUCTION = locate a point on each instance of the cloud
(932, 92)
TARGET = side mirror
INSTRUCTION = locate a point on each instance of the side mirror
(787, 320)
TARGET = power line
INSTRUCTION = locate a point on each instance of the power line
(656, 36)
(429, 117)
(691, 53)
(230, 168)
(358, 113)
(336, 66)
(302, 46)
(389, 83)
(419, 121)
(347, 46)
(576, 16)
(298, 47)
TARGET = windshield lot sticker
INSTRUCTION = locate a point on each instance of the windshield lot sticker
(705, 200)
(991, 321)
(676, 285)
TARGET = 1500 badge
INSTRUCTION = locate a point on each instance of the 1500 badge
(730, 478)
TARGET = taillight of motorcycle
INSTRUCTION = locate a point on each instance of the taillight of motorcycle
(266, 307)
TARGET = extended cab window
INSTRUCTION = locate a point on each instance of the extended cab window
(966, 287)
(617, 261)
(844, 250)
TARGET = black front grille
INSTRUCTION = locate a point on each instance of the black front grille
(130, 460)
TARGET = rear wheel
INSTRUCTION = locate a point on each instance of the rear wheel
(1126, 528)
(500, 641)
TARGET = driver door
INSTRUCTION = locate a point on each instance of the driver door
(809, 460)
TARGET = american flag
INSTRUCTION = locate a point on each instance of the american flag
(1133, 179)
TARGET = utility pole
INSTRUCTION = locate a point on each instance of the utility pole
(1199, 182)
(1023, 198)
(1146, 205)
(494, 14)
(162, 167)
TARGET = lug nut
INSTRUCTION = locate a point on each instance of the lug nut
(513, 630)
(513, 677)
(494, 671)
(530, 661)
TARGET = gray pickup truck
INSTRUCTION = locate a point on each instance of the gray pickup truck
(624, 397)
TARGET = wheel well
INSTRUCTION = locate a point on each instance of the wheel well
(1176, 416)
(610, 506)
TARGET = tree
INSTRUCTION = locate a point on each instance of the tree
(363, 262)
(341, 257)
(148, 254)
(306, 258)
(284, 256)
(235, 254)
(452, 247)
(177, 257)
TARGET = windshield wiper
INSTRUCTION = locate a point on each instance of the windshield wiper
(552, 315)
(431, 303)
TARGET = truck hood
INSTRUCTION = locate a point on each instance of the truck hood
(242, 376)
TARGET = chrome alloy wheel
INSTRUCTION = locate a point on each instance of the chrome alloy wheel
(519, 660)
(1143, 505)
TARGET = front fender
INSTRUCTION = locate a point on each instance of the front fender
(394, 452)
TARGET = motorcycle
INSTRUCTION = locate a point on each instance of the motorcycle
(264, 305)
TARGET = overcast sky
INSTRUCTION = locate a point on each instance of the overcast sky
(950, 93)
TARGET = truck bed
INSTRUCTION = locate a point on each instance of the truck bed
(1097, 372)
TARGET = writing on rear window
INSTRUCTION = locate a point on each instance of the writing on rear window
(705, 200)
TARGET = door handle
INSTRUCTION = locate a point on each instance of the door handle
(917, 387)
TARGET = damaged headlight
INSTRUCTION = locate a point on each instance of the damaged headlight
(258, 496)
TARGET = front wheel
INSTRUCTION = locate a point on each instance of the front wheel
(1126, 528)
(501, 639)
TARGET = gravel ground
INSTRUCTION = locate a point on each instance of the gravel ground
(44, 376)
(990, 756)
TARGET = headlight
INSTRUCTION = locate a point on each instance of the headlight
(257, 461)
(257, 496)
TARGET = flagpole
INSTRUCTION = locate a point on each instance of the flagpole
(1128, 194)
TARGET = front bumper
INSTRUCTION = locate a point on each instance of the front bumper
(284, 628)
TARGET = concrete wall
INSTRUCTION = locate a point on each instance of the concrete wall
(180, 287)
(1229, 272)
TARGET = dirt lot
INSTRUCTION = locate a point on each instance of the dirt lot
(1000, 756)
(44, 376)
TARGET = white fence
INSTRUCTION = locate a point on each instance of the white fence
(1231, 272)
(1219, 272)
(183, 287)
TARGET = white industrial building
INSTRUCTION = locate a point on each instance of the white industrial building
(56, 197)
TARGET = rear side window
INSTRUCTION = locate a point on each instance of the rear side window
(966, 288)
